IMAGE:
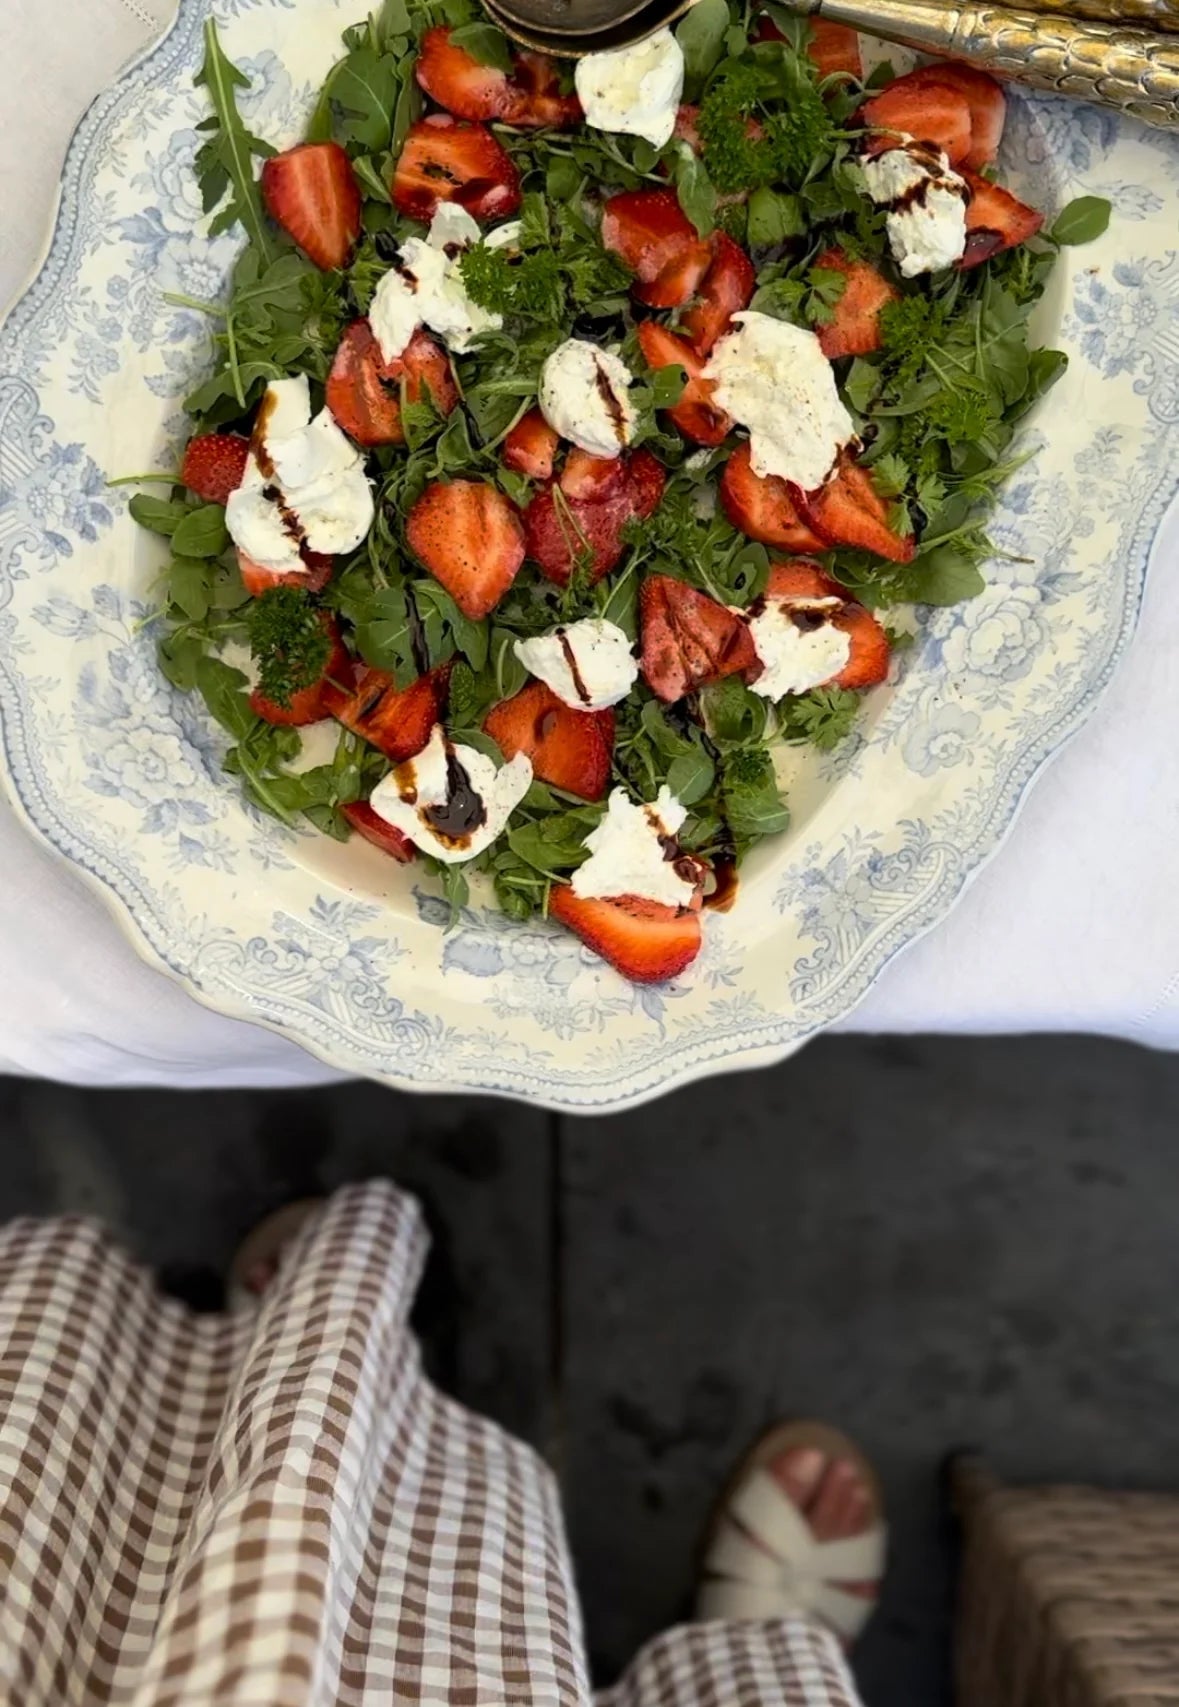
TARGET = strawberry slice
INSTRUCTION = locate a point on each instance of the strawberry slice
(689, 639)
(868, 660)
(696, 416)
(653, 235)
(398, 721)
(763, 508)
(586, 476)
(374, 829)
(727, 287)
(469, 536)
(570, 749)
(983, 95)
(562, 531)
(848, 510)
(995, 220)
(313, 194)
(528, 96)
(531, 446)
(364, 390)
(214, 464)
(258, 580)
(834, 47)
(855, 330)
(309, 704)
(933, 113)
(445, 159)
(644, 940)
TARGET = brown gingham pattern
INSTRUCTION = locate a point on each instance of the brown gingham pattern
(279, 1510)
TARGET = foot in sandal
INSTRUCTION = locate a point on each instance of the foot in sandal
(799, 1532)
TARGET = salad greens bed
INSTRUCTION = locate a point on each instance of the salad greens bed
(937, 408)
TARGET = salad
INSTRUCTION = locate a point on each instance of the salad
(574, 431)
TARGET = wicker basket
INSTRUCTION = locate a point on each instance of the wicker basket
(1069, 1596)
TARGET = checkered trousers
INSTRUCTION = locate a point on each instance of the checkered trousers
(279, 1510)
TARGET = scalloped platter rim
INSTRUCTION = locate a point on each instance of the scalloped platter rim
(330, 946)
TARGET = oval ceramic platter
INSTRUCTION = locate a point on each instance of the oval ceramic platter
(337, 947)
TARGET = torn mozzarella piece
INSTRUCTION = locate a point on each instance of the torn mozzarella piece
(589, 664)
(304, 485)
(424, 286)
(585, 397)
(633, 851)
(451, 801)
(774, 379)
(634, 90)
(926, 199)
(798, 645)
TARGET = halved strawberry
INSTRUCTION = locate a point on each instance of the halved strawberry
(447, 160)
(307, 705)
(726, 288)
(214, 464)
(531, 446)
(469, 536)
(374, 829)
(645, 479)
(695, 415)
(562, 533)
(653, 235)
(848, 510)
(527, 96)
(799, 578)
(855, 330)
(586, 476)
(995, 220)
(834, 47)
(644, 940)
(569, 749)
(763, 507)
(398, 721)
(364, 390)
(313, 194)
(258, 580)
(689, 639)
(985, 98)
(934, 113)
(867, 662)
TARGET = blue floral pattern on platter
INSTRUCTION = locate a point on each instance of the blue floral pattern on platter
(348, 955)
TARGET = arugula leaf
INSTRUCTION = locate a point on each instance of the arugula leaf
(225, 164)
(160, 515)
(1081, 220)
(694, 187)
(201, 533)
(701, 35)
(223, 690)
(484, 43)
(366, 86)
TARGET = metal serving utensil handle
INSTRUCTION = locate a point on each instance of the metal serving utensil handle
(1110, 63)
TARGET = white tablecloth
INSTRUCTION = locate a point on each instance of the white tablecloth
(1074, 926)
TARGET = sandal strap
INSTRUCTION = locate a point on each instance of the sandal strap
(764, 1562)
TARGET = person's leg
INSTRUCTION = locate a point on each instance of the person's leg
(274, 1506)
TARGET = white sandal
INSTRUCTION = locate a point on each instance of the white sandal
(761, 1559)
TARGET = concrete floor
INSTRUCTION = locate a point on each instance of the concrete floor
(931, 1243)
